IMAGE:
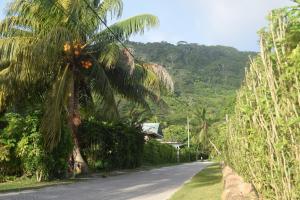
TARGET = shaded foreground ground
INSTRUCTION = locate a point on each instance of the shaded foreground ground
(143, 185)
(207, 184)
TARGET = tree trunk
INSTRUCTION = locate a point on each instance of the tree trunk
(39, 175)
(80, 166)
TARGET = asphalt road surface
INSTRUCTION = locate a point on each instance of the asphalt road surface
(156, 184)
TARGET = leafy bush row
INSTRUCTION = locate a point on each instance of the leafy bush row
(108, 146)
(22, 151)
(160, 153)
(105, 146)
(111, 145)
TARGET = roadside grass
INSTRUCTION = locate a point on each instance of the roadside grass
(29, 183)
(206, 185)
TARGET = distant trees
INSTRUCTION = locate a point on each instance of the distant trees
(175, 133)
(181, 43)
(209, 77)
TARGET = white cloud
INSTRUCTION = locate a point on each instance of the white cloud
(230, 21)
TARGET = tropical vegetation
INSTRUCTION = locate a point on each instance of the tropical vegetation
(74, 92)
(206, 79)
(62, 53)
(261, 139)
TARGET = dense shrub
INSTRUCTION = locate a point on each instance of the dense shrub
(118, 146)
(189, 154)
(262, 137)
(111, 145)
(22, 150)
(158, 153)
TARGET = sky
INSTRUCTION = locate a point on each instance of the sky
(210, 22)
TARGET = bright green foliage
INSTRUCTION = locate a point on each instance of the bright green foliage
(30, 149)
(262, 137)
(10, 164)
(175, 133)
(24, 150)
(111, 145)
(217, 139)
(158, 153)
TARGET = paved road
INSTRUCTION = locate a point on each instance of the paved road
(156, 184)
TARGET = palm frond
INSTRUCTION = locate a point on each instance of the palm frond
(110, 56)
(100, 85)
(126, 28)
(131, 87)
(56, 106)
(114, 7)
(161, 73)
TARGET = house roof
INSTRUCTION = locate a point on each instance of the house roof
(152, 129)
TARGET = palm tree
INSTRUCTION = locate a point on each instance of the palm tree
(62, 47)
(200, 115)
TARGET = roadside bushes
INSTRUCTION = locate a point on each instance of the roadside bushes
(111, 145)
(189, 154)
(263, 135)
(22, 151)
(158, 153)
(108, 146)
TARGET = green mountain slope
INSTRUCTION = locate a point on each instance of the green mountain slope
(204, 76)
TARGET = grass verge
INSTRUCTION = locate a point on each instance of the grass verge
(29, 183)
(205, 185)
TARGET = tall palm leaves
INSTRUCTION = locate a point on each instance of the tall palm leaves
(62, 46)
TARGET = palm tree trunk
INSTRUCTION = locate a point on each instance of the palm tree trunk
(80, 166)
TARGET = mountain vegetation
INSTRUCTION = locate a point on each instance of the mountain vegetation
(204, 76)
(206, 79)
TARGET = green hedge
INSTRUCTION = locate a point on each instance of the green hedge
(108, 146)
(111, 145)
(188, 154)
(158, 153)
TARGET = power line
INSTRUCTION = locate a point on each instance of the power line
(108, 28)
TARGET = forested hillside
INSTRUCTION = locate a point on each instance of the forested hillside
(204, 76)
